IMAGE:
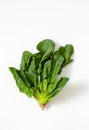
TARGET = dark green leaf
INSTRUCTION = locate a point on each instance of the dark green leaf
(67, 52)
(31, 73)
(46, 48)
(56, 66)
(37, 57)
(24, 78)
(32, 77)
(62, 82)
(32, 66)
(51, 87)
(20, 83)
(26, 57)
(46, 70)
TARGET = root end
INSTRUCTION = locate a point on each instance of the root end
(42, 106)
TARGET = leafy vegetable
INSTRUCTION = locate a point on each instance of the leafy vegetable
(38, 73)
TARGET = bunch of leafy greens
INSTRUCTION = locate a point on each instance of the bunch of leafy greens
(38, 73)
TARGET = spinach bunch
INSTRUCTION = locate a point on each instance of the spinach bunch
(38, 73)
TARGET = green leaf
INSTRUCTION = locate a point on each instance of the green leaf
(51, 87)
(56, 66)
(32, 77)
(67, 52)
(24, 78)
(46, 70)
(20, 83)
(31, 73)
(46, 48)
(61, 84)
(26, 57)
(37, 57)
(32, 66)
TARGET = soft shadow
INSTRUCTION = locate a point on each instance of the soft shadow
(69, 93)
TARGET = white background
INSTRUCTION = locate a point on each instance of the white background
(22, 25)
